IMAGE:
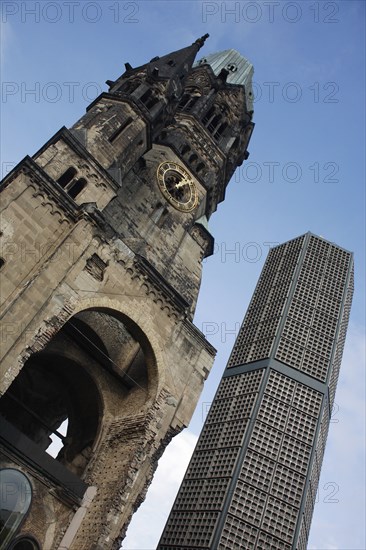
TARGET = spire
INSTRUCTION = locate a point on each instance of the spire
(178, 63)
(200, 41)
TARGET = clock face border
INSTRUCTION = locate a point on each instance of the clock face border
(176, 169)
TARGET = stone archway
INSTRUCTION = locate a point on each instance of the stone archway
(97, 351)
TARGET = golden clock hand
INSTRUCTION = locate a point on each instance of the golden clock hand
(181, 183)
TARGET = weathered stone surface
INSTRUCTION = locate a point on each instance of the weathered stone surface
(100, 284)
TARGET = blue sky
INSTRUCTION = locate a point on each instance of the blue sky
(306, 171)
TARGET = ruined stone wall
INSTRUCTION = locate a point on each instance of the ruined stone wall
(135, 425)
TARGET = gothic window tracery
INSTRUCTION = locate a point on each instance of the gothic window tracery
(189, 100)
(216, 120)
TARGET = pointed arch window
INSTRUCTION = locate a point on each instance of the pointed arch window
(188, 102)
(209, 115)
(220, 131)
(189, 99)
(215, 120)
(214, 123)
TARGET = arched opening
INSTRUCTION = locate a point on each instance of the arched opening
(215, 120)
(76, 188)
(185, 149)
(63, 382)
(220, 131)
(72, 186)
(209, 115)
(15, 501)
(213, 124)
(50, 389)
(67, 177)
(187, 102)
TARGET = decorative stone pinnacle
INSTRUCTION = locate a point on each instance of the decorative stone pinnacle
(201, 41)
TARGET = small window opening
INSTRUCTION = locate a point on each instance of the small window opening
(192, 102)
(187, 102)
(183, 102)
(69, 184)
(2, 263)
(220, 130)
(193, 158)
(185, 149)
(75, 189)
(148, 99)
(209, 115)
(67, 176)
(214, 123)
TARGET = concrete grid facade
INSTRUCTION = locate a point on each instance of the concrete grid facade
(253, 477)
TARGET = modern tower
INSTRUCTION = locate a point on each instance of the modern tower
(103, 233)
(253, 477)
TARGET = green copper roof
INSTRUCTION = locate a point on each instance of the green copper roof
(240, 70)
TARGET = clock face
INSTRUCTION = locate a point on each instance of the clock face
(177, 186)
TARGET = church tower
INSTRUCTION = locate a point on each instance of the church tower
(103, 234)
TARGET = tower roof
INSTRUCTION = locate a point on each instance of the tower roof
(178, 62)
(240, 70)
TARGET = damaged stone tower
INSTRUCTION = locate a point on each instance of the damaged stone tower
(103, 234)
